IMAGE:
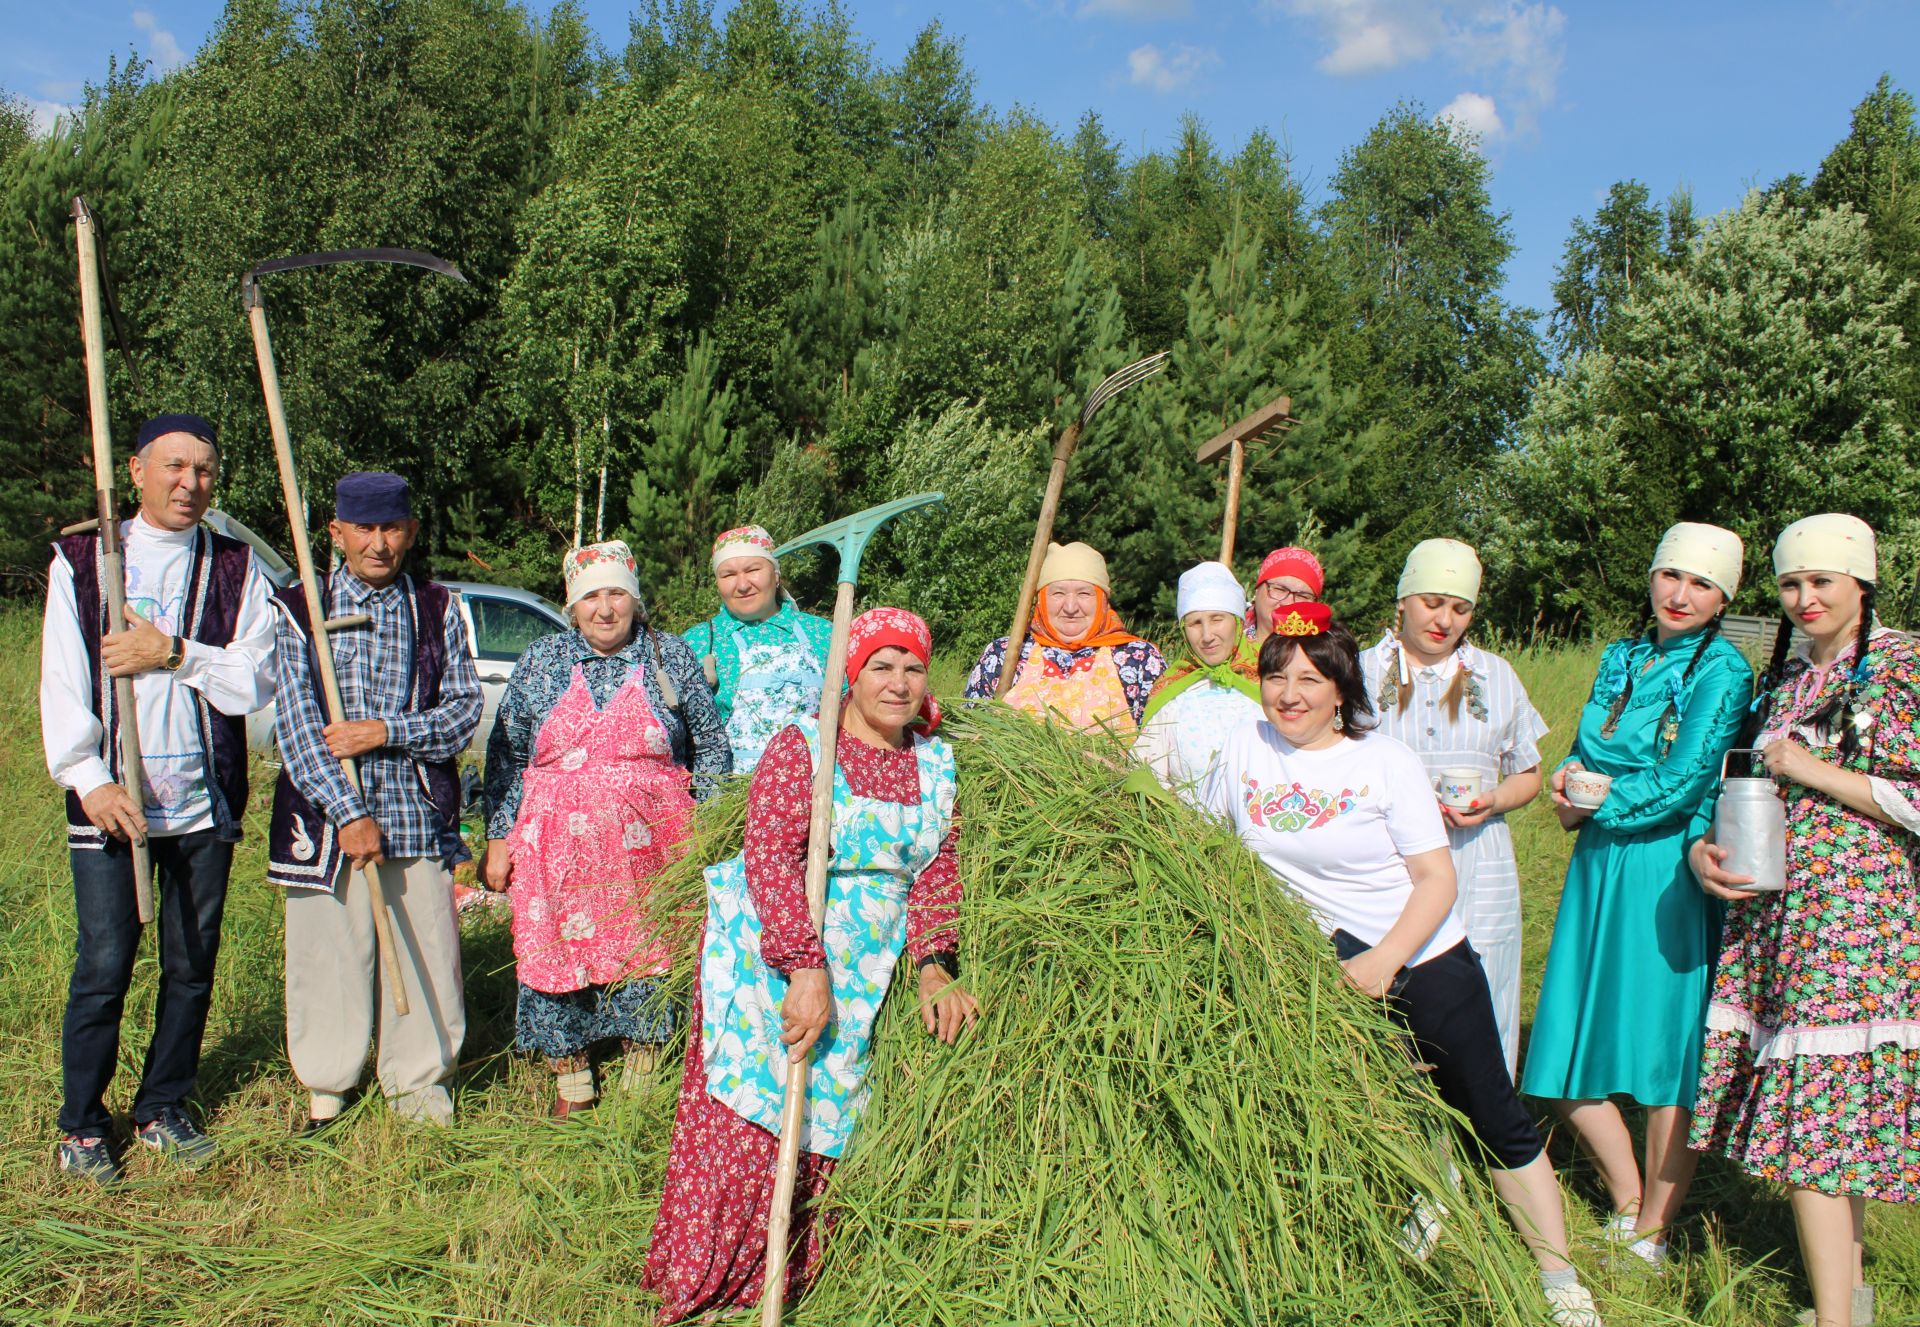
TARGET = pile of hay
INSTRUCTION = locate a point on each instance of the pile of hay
(1172, 1111)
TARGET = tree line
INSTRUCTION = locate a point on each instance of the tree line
(741, 270)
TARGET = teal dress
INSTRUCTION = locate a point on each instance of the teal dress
(1623, 1002)
(765, 674)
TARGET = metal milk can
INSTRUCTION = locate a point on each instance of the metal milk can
(1750, 822)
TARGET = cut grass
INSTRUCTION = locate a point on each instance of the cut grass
(509, 1219)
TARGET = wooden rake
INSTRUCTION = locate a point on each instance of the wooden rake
(1270, 421)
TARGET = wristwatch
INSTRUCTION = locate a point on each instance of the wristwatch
(176, 654)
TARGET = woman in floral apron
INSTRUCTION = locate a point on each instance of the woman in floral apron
(770, 985)
(764, 658)
(1209, 693)
(1624, 997)
(1461, 707)
(1811, 1072)
(1078, 663)
(605, 736)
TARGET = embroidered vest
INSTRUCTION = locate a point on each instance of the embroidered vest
(303, 851)
(216, 582)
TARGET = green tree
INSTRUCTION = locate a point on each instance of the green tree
(687, 465)
(1604, 260)
(16, 125)
(930, 109)
(826, 351)
(1762, 383)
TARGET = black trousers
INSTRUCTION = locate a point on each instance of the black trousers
(190, 877)
(1448, 1010)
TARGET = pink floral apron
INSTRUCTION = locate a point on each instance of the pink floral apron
(603, 810)
(1086, 695)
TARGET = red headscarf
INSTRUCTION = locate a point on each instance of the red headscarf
(878, 628)
(1295, 562)
(1107, 628)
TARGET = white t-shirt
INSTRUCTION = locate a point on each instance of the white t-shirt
(1336, 825)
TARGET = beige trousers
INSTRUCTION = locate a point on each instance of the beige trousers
(334, 981)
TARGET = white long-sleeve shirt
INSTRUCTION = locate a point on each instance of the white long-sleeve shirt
(236, 679)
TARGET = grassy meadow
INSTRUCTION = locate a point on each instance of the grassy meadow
(508, 1218)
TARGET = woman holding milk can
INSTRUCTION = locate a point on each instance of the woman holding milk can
(1624, 997)
(1466, 715)
(1811, 1075)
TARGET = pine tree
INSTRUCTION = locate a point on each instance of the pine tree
(691, 460)
(1604, 260)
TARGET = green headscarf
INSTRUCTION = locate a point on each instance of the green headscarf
(1240, 670)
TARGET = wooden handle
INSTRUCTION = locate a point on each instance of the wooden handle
(112, 568)
(1230, 524)
(1042, 535)
(316, 614)
(793, 1108)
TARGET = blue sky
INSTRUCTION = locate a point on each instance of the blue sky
(1715, 95)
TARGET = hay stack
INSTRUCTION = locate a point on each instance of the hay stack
(1172, 1111)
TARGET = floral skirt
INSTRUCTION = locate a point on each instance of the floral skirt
(560, 1025)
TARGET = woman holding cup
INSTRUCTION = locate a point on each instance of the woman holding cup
(1468, 718)
(1623, 1000)
(1811, 1072)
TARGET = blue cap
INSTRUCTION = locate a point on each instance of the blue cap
(371, 497)
(161, 425)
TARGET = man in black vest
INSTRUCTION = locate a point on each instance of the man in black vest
(412, 702)
(199, 647)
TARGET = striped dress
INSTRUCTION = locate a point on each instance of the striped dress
(1498, 732)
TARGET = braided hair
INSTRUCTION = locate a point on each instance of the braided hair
(1456, 690)
(1620, 701)
(1841, 708)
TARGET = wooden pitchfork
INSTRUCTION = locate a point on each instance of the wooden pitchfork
(848, 537)
(303, 549)
(1138, 371)
(113, 573)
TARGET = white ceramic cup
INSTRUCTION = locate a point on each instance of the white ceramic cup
(1460, 788)
(1587, 789)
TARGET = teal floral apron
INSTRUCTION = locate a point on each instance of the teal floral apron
(879, 849)
(779, 681)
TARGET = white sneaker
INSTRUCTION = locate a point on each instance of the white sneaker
(1862, 1309)
(1421, 1233)
(1619, 1228)
(1572, 1306)
(1653, 1254)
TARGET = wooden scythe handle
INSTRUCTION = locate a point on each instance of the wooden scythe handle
(316, 615)
(1042, 535)
(113, 572)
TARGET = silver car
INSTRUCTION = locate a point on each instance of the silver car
(501, 622)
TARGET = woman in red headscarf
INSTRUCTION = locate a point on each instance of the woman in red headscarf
(771, 985)
(1079, 662)
(1287, 576)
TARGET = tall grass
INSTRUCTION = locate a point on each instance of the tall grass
(510, 1219)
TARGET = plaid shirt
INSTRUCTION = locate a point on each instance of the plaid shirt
(375, 667)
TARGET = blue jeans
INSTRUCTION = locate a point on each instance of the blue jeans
(190, 879)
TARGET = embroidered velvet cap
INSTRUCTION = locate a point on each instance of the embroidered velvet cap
(1211, 587)
(1075, 562)
(745, 541)
(1295, 562)
(1441, 566)
(604, 566)
(1308, 619)
(161, 425)
(1830, 542)
(1706, 551)
(372, 497)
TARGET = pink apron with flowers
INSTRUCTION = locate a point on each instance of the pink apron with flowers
(603, 810)
(1088, 694)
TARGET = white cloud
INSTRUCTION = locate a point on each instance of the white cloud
(1147, 9)
(45, 113)
(1149, 67)
(166, 53)
(1517, 43)
(1475, 113)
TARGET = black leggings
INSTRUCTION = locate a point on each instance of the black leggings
(1447, 1008)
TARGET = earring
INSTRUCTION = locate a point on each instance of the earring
(1339, 721)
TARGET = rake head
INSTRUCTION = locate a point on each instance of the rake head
(1137, 372)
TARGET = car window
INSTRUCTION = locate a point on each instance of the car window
(503, 629)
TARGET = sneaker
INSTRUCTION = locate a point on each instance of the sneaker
(1862, 1309)
(89, 1158)
(171, 1133)
(1572, 1306)
(429, 1105)
(1643, 1255)
(1421, 1233)
(1619, 1228)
